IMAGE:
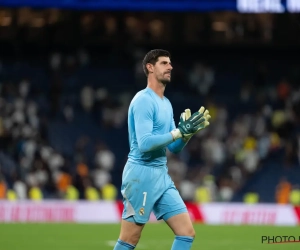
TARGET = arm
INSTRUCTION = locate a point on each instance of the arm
(143, 112)
(176, 146)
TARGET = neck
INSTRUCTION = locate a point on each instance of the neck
(157, 87)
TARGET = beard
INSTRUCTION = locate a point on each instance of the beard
(164, 80)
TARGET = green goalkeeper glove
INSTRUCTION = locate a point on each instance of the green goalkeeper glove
(187, 114)
(187, 127)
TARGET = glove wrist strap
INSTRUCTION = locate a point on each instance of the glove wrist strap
(176, 134)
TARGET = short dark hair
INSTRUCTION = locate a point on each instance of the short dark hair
(152, 57)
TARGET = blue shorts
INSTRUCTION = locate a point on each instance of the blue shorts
(149, 189)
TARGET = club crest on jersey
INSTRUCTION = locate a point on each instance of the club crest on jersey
(142, 211)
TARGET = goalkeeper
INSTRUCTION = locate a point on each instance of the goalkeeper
(146, 184)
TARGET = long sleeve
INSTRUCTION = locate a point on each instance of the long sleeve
(176, 146)
(143, 112)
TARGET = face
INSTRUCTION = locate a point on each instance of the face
(162, 70)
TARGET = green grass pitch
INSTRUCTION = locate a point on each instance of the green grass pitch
(155, 237)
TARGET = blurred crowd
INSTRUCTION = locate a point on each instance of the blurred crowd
(234, 150)
(48, 26)
(216, 164)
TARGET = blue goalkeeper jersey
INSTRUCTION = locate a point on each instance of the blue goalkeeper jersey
(150, 121)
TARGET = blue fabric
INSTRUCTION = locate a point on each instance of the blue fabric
(121, 245)
(168, 215)
(182, 243)
(150, 121)
(146, 189)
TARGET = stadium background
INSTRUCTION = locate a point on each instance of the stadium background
(68, 70)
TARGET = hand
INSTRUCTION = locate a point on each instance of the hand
(187, 114)
(189, 125)
(206, 116)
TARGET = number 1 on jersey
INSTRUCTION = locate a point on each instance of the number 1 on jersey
(145, 197)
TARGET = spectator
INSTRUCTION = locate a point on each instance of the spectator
(283, 190)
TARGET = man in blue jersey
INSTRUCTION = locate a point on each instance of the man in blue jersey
(146, 184)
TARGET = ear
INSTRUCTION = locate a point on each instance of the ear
(149, 67)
